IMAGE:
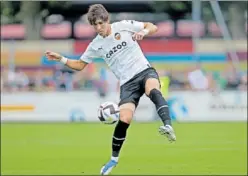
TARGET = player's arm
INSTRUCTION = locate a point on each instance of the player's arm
(80, 64)
(148, 29)
(139, 29)
(76, 64)
(73, 64)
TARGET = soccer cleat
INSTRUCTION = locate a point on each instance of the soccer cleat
(107, 168)
(168, 131)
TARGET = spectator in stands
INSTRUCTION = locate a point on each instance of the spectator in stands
(178, 80)
(32, 83)
(233, 78)
(243, 83)
(68, 82)
(3, 79)
(22, 80)
(78, 80)
(58, 77)
(198, 80)
(10, 80)
(101, 83)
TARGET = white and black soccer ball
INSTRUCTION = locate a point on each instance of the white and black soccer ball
(108, 113)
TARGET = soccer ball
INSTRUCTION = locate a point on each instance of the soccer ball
(108, 113)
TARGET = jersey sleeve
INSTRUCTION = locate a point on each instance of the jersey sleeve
(132, 25)
(89, 54)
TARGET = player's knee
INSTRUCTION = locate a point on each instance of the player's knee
(151, 83)
(126, 115)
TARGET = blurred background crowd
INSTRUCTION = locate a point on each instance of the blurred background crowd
(66, 80)
(187, 41)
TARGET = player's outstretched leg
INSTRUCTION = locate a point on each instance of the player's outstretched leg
(118, 140)
(163, 112)
(152, 87)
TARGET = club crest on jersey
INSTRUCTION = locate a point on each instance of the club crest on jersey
(117, 36)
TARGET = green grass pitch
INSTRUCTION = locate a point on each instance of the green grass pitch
(82, 149)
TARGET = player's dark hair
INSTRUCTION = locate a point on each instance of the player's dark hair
(96, 12)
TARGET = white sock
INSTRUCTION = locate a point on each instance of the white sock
(115, 158)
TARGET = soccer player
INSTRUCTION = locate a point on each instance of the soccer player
(117, 44)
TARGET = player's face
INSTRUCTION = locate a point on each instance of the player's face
(102, 28)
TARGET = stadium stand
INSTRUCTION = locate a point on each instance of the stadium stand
(13, 31)
(61, 30)
(83, 30)
(165, 29)
(213, 29)
(185, 28)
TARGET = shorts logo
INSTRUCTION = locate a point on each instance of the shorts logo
(117, 36)
(152, 75)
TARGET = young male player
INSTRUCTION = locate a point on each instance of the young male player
(117, 44)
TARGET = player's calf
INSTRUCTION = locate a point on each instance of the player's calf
(118, 139)
(161, 106)
(120, 131)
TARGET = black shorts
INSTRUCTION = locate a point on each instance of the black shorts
(132, 90)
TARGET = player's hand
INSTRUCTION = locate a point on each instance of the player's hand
(138, 35)
(53, 56)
